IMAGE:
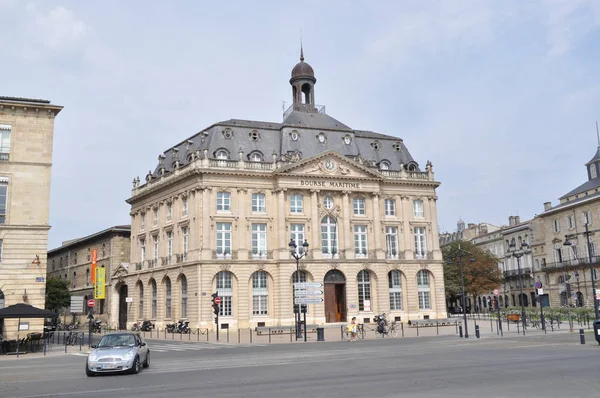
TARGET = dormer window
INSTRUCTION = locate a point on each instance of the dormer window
(322, 138)
(397, 146)
(347, 139)
(228, 134)
(384, 165)
(255, 157)
(222, 154)
(375, 145)
(254, 135)
(412, 167)
(294, 135)
(593, 173)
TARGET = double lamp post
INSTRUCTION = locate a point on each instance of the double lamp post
(518, 252)
(295, 253)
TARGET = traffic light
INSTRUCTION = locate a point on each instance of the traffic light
(215, 305)
(568, 290)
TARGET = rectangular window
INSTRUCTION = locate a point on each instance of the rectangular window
(258, 203)
(3, 200)
(260, 293)
(359, 206)
(296, 203)
(169, 211)
(155, 220)
(395, 285)
(390, 207)
(225, 291)
(297, 235)
(184, 210)
(259, 240)
(364, 290)
(418, 208)
(586, 218)
(223, 201)
(556, 225)
(424, 300)
(420, 243)
(571, 222)
(143, 221)
(1, 248)
(391, 242)
(223, 240)
(169, 247)
(360, 241)
(5, 142)
(143, 249)
(155, 246)
(185, 232)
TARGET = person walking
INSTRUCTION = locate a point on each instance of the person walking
(352, 329)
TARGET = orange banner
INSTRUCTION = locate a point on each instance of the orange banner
(94, 255)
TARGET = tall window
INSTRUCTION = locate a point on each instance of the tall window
(169, 211)
(154, 298)
(87, 277)
(364, 289)
(359, 206)
(420, 243)
(423, 290)
(418, 208)
(223, 201)
(184, 293)
(260, 293)
(259, 240)
(3, 200)
(592, 168)
(556, 225)
(297, 235)
(185, 231)
(296, 203)
(143, 221)
(155, 246)
(169, 246)
(258, 203)
(223, 239)
(225, 292)
(167, 297)
(184, 207)
(140, 301)
(155, 217)
(586, 218)
(395, 285)
(360, 241)
(143, 249)
(391, 242)
(74, 279)
(4, 142)
(571, 222)
(328, 236)
(390, 207)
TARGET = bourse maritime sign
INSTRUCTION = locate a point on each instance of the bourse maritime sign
(329, 184)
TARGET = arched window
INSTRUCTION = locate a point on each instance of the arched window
(140, 289)
(256, 157)
(329, 237)
(260, 293)
(395, 285)
(184, 293)
(225, 290)
(423, 290)
(154, 298)
(2, 299)
(222, 154)
(167, 297)
(364, 290)
(385, 165)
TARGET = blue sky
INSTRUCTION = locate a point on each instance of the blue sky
(502, 96)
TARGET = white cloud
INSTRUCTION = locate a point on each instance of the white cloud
(57, 30)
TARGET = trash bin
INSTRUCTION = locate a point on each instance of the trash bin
(320, 334)
(597, 330)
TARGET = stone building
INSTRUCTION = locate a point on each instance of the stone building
(219, 210)
(556, 264)
(72, 261)
(26, 143)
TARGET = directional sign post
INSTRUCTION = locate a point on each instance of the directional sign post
(309, 300)
(304, 293)
(307, 285)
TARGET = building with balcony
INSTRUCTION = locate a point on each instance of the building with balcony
(220, 208)
(72, 261)
(26, 143)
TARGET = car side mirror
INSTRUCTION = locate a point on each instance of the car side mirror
(94, 346)
(142, 344)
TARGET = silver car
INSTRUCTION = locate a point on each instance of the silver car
(118, 352)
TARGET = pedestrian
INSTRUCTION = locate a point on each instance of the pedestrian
(352, 329)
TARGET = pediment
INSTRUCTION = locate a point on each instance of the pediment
(122, 270)
(329, 164)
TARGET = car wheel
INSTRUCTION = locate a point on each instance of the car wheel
(135, 369)
(147, 361)
(88, 372)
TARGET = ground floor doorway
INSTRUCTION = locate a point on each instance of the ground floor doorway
(123, 307)
(335, 297)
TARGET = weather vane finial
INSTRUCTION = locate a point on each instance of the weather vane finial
(301, 49)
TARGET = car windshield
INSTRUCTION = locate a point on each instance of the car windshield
(116, 340)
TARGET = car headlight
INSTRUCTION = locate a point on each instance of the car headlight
(129, 355)
(93, 356)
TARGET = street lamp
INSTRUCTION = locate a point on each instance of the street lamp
(293, 246)
(460, 254)
(518, 253)
(587, 235)
(578, 300)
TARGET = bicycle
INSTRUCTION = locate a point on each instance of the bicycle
(72, 338)
(360, 332)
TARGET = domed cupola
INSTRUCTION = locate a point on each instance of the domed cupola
(303, 82)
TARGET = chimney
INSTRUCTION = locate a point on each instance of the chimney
(511, 221)
(517, 220)
(547, 206)
(470, 225)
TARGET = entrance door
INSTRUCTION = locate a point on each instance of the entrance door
(335, 296)
(123, 307)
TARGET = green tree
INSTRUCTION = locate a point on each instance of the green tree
(57, 294)
(480, 269)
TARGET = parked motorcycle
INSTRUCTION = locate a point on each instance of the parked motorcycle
(171, 327)
(381, 323)
(183, 327)
(97, 327)
(147, 326)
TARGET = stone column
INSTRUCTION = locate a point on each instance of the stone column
(379, 253)
(346, 233)
(315, 222)
(206, 203)
(408, 239)
(435, 238)
(281, 241)
(242, 235)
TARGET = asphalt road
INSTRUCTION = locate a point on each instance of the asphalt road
(532, 366)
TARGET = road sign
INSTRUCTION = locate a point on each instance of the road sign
(540, 292)
(496, 292)
(307, 285)
(91, 303)
(308, 300)
(538, 285)
(218, 300)
(304, 293)
(129, 299)
(76, 304)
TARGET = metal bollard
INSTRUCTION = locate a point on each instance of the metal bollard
(582, 336)
(477, 331)
(460, 331)
(437, 328)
